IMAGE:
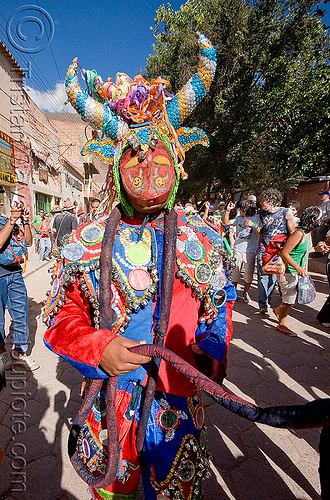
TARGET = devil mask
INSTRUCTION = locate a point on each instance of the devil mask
(148, 184)
(143, 140)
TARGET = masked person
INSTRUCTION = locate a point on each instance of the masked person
(143, 274)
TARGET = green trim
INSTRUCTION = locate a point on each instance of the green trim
(126, 206)
(108, 495)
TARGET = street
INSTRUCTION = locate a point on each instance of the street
(249, 461)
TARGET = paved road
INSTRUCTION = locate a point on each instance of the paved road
(250, 462)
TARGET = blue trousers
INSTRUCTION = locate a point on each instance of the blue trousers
(44, 248)
(266, 284)
(13, 295)
(173, 460)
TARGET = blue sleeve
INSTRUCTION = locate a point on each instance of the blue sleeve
(214, 338)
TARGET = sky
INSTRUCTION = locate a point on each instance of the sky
(110, 36)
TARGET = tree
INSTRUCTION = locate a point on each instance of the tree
(267, 114)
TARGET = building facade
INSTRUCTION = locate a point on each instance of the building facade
(15, 162)
(40, 160)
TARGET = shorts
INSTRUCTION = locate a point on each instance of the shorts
(288, 283)
(248, 260)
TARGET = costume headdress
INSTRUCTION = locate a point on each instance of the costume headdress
(136, 113)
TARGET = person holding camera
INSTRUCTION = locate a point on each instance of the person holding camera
(13, 294)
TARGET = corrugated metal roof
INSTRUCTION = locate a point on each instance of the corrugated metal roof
(11, 58)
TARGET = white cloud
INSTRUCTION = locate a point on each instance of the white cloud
(51, 100)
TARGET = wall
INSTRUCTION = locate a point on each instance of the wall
(307, 193)
(72, 184)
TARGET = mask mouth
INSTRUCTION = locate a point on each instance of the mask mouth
(148, 202)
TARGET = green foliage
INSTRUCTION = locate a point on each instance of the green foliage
(267, 114)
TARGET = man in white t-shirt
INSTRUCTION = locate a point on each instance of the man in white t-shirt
(247, 225)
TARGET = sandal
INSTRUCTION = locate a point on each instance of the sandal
(288, 333)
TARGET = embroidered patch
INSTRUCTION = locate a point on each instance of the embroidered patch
(168, 419)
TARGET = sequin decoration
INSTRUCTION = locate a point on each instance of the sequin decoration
(73, 252)
(91, 234)
(190, 466)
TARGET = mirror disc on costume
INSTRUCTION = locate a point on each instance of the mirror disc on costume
(114, 316)
(86, 448)
(73, 252)
(103, 437)
(203, 273)
(219, 298)
(199, 417)
(138, 253)
(55, 287)
(218, 281)
(194, 250)
(168, 420)
(100, 405)
(202, 439)
(186, 471)
(91, 234)
(97, 274)
(139, 279)
(160, 496)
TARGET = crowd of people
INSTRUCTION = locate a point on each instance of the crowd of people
(150, 277)
(51, 228)
(275, 241)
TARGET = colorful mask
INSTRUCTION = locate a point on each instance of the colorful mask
(137, 114)
(147, 183)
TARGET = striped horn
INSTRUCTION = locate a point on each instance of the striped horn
(100, 116)
(188, 98)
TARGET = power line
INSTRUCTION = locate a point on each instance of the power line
(51, 96)
(56, 102)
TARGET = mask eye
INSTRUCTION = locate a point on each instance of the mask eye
(136, 181)
(162, 160)
(132, 162)
(160, 181)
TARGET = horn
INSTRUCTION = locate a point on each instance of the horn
(188, 98)
(100, 116)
